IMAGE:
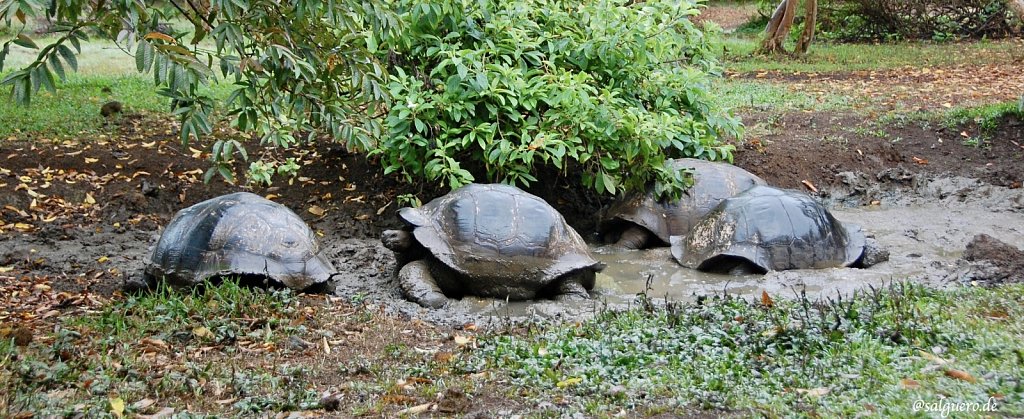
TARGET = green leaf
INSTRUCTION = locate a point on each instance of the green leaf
(23, 40)
(609, 182)
(69, 56)
(57, 67)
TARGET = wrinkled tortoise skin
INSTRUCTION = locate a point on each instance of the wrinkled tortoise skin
(769, 229)
(239, 234)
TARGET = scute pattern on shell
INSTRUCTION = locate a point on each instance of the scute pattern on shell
(498, 236)
(242, 234)
(712, 183)
(772, 228)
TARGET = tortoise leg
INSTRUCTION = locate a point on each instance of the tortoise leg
(418, 285)
(572, 289)
(634, 237)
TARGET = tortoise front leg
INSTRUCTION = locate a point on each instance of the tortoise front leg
(419, 286)
(634, 237)
(571, 289)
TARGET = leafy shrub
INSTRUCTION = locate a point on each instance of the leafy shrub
(941, 20)
(607, 89)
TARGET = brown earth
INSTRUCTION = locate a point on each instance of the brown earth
(91, 198)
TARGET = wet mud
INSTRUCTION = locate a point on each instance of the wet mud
(925, 224)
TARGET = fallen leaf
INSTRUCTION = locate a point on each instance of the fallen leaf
(415, 410)
(6, 269)
(143, 404)
(814, 392)
(89, 199)
(960, 375)
(910, 384)
(362, 217)
(316, 210)
(90, 160)
(196, 154)
(932, 357)
(443, 357)
(102, 259)
(202, 333)
(766, 300)
(161, 414)
(462, 340)
(568, 382)
(809, 185)
(117, 406)
(919, 160)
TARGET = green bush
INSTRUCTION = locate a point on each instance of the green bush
(606, 89)
(940, 20)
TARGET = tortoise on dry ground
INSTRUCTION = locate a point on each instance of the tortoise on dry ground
(766, 228)
(240, 234)
(490, 241)
(640, 220)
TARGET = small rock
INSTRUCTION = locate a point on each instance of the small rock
(299, 344)
(874, 254)
(149, 189)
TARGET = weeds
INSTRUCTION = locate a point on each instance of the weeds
(727, 353)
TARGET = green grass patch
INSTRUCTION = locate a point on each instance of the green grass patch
(833, 57)
(75, 109)
(776, 97)
(880, 351)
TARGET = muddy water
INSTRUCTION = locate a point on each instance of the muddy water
(925, 241)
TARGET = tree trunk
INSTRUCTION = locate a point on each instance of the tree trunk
(810, 24)
(779, 27)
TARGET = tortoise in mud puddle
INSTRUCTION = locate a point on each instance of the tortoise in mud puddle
(239, 234)
(641, 220)
(766, 229)
(489, 241)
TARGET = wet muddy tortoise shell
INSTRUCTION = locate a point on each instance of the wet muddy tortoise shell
(712, 183)
(239, 234)
(771, 229)
(497, 236)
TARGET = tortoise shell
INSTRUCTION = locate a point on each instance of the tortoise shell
(238, 234)
(712, 182)
(772, 229)
(497, 237)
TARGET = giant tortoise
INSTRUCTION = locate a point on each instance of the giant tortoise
(766, 229)
(240, 234)
(491, 241)
(641, 220)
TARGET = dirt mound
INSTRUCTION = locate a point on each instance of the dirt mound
(993, 261)
(821, 149)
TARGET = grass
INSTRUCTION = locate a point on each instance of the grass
(878, 352)
(75, 109)
(224, 350)
(777, 97)
(831, 57)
